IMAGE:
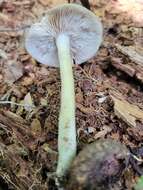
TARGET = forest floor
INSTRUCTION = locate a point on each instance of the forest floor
(109, 94)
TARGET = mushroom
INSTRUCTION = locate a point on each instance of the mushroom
(98, 166)
(66, 33)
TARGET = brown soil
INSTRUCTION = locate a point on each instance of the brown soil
(28, 138)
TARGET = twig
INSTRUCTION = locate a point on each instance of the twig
(17, 29)
(9, 102)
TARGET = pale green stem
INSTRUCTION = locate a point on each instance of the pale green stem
(67, 131)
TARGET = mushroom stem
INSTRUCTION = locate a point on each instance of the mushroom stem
(67, 131)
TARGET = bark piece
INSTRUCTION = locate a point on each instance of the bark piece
(117, 63)
(133, 68)
(131, 53)
(129, 113)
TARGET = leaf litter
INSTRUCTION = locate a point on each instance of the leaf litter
(28, 135)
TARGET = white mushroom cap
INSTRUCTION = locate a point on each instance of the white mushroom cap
(81, 25)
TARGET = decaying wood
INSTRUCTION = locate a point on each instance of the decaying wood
(15, 172)
(13, 169)
(129, 113)
(131, 53)
(116, 62)
(133, 68)
(16, 125)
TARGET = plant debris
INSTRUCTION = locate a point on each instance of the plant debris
(109, 94)
(129, 113)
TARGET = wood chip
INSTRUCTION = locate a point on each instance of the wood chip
(129, 113)
(131, 53)
(133, 68)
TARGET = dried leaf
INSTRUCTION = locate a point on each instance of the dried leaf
(43, 101)
(36, 127)
(13, 70)
(129, 113)
(28, 102)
